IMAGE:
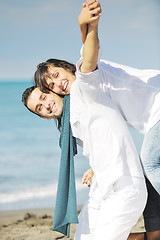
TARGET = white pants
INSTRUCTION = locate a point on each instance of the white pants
(112, 218)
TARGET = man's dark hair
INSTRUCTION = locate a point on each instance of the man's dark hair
(42, 71)
(25, 96)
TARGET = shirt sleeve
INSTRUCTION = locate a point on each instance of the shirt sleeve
(99, 54)
(89, 82)
(89, 85)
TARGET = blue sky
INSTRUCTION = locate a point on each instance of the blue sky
(34, 30)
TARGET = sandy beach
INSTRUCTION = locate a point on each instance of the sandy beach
(36, 224)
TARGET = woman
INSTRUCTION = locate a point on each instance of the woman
(135, 93)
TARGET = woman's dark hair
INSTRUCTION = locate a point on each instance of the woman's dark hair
(42, 71)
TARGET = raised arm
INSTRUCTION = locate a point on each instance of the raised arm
(82, 23)
(90, 50)
(91, 45)
(90, 8)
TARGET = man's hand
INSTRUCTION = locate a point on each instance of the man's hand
(87, 177)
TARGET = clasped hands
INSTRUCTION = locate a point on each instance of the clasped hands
(90, 13)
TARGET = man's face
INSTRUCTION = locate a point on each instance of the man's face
(59, 80)
(46, 105)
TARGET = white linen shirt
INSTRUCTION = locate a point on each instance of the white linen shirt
(104, 135)
(135, 92)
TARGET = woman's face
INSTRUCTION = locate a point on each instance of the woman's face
(59, 80)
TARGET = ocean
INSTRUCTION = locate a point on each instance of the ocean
(30, 154)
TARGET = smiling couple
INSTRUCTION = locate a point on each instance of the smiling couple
(105, 97)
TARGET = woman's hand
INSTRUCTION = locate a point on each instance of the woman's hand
(90, 13)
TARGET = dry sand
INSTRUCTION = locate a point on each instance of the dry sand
(36, 224)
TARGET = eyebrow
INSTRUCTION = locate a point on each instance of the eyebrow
(36, 108)
(40, 96)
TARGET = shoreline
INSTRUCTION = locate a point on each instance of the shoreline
(36, 224)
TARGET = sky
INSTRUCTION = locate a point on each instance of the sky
(33, 31)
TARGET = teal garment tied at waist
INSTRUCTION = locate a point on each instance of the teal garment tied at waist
(66, 204)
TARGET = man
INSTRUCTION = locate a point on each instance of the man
(123, 189)
(41, 104)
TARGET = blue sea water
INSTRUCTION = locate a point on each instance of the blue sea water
(30, 154)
